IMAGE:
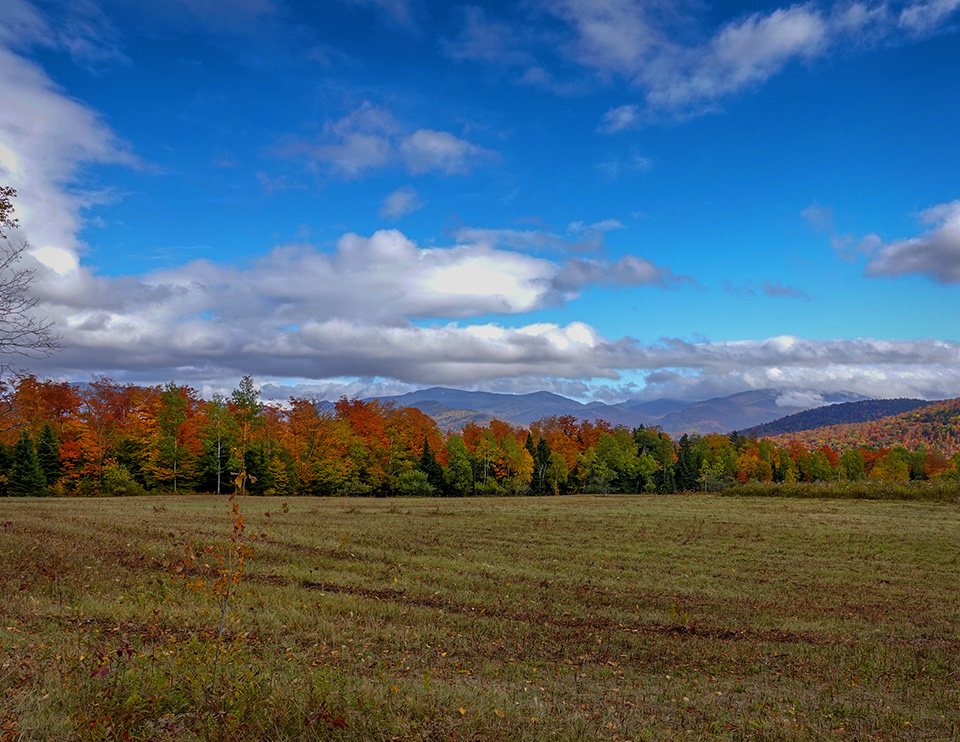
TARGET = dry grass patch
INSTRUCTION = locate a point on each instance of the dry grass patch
(618, 618)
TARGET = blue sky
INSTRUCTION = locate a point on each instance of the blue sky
(607, 199)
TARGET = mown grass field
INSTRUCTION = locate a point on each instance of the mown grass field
(574, 618)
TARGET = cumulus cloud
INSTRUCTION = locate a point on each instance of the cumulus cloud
(520, 358)
(370, 139)
(295, 283)
(405, 200)
(869, 367)
(46, 141)
(934, 254)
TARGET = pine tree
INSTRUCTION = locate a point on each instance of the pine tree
(48, 454)
(6, 461)
(431, 467)
(26, 477)
(686, 466)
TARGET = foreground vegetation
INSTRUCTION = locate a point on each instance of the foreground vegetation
(944, 489)
(617, 618)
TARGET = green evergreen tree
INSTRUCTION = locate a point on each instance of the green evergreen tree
(26, 477)
(687, 471)
(431, 467)
(6, 462)
(48, 454)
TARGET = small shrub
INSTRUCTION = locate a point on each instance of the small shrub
(117, 481)
(414, 483)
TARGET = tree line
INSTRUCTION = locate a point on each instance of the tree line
(108, 439)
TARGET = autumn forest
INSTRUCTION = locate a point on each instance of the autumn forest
(108, 439)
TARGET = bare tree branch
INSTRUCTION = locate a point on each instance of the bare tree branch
(22, 333)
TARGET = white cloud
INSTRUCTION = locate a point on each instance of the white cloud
(46, 141)
(611, 35)
(934, 254)
(742, 54)
(923, 17)
(21, 24)
(649, 45)
(405, 200)
(428, 150)
(604, 225)
(305, 313)
(520, 358)
(619, 119)
(370, 139)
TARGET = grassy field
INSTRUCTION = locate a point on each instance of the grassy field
(574, 618)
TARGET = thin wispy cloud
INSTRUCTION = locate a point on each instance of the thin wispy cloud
(369, 139)
(405, 200)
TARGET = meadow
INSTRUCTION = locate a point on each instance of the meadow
(555, 618)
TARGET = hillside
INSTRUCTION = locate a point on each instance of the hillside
(935, 426)
(725, 414)
(453, 408)
(836, 414)
(448, 418)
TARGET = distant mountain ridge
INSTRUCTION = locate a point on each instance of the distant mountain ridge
(863, 411)
(452, 408)
(934, 426)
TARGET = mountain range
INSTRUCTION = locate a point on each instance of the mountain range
(836, 414)
(453, 408)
